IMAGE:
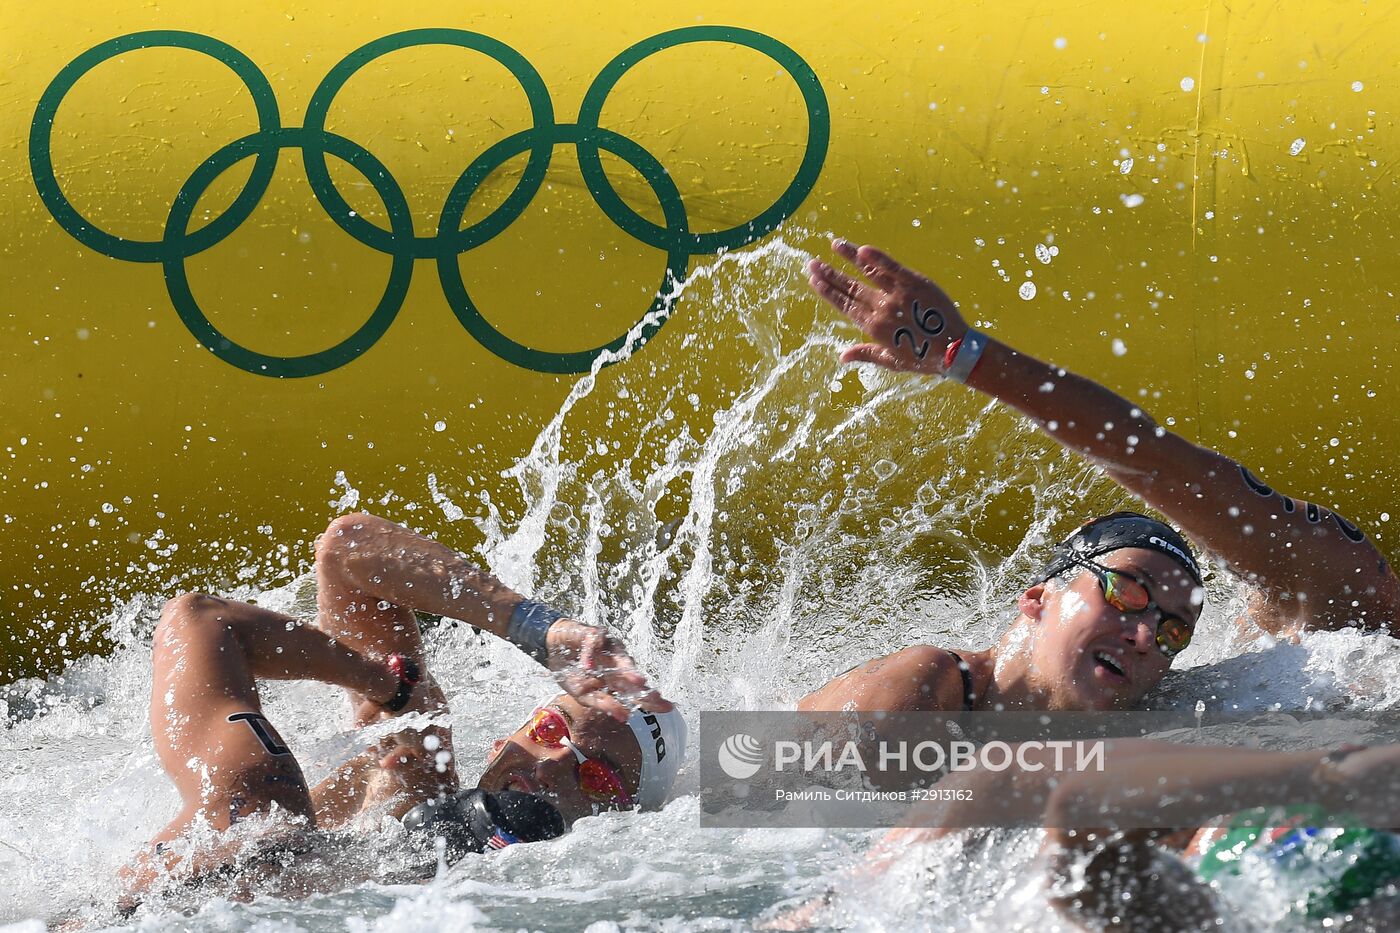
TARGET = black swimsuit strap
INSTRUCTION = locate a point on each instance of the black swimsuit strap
(969, 696)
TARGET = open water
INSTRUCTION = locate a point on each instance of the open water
(747, 553)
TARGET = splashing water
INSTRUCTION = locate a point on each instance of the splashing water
(819, 516)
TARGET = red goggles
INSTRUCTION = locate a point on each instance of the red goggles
(598, 780)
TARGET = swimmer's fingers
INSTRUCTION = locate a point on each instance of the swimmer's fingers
(604, 702)
(594, 667)
(594, 680)
(632, 687)
(842, 292)
(587, 684)
(873, 353)
(879, 267)
(624, 681)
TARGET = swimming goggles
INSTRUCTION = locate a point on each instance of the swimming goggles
(1128, 594)
(598, 780)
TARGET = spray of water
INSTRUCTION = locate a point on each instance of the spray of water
(816, 516)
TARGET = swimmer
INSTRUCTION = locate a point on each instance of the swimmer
(609, 742)
(1321, 820)
(1098, 627)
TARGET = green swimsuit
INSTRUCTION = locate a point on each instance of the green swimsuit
(1326, 871)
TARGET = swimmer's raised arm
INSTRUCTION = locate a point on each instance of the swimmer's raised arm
(1312, 567)
(372, 572)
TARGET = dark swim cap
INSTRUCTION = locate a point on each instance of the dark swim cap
(1115, 532)
(472, 821)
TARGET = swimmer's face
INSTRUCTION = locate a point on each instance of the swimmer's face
(1087, 654)
(518, 763)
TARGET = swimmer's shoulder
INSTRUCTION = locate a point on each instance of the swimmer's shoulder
(916, 678)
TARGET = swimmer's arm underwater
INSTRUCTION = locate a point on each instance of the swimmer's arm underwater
(1146, 783)
(1320, 566)
(388, 779)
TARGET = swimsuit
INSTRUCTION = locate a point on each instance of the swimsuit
(1325, 871)
(969, 697)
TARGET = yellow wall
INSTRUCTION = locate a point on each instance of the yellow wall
(1249, 277)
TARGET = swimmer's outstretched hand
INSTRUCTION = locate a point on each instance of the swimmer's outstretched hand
(592, 665)
(909, 320)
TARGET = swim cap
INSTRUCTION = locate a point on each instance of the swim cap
(662, 739)
(475, 820)
(1115, 532)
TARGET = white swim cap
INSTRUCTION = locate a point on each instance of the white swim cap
(662, 739)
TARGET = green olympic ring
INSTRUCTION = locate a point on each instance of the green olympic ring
(672, 208)
(41, 146)
(261, 145)
(399, 241)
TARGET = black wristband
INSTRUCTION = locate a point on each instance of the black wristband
(408, 673)
(529, 627)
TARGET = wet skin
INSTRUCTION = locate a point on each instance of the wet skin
(1078, 637)
(518, 763)
(1060, 653)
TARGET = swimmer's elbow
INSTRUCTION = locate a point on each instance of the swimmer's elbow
(345, 534)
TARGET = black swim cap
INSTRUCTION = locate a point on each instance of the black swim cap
(472, 821)
(1115, 532)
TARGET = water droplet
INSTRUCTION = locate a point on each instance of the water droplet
(1188, 83)
(1061, 42)
(1132, 200)
(1119, 347)
(440, 426)
(1357, 86)
(1026, 291)
(1125, 166)
(1043, 253)
(1297, 146)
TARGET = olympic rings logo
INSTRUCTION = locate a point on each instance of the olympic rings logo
(178, 243)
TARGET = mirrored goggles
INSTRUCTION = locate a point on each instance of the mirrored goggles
(598, 780)
(1129, 595)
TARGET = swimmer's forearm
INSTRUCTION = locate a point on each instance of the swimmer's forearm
(340, 796)
(407, 569)
(1075, 411)
(1145, 783)
(1287, 547)
(1167, 784)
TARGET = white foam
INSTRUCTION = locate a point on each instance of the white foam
(718, 544)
